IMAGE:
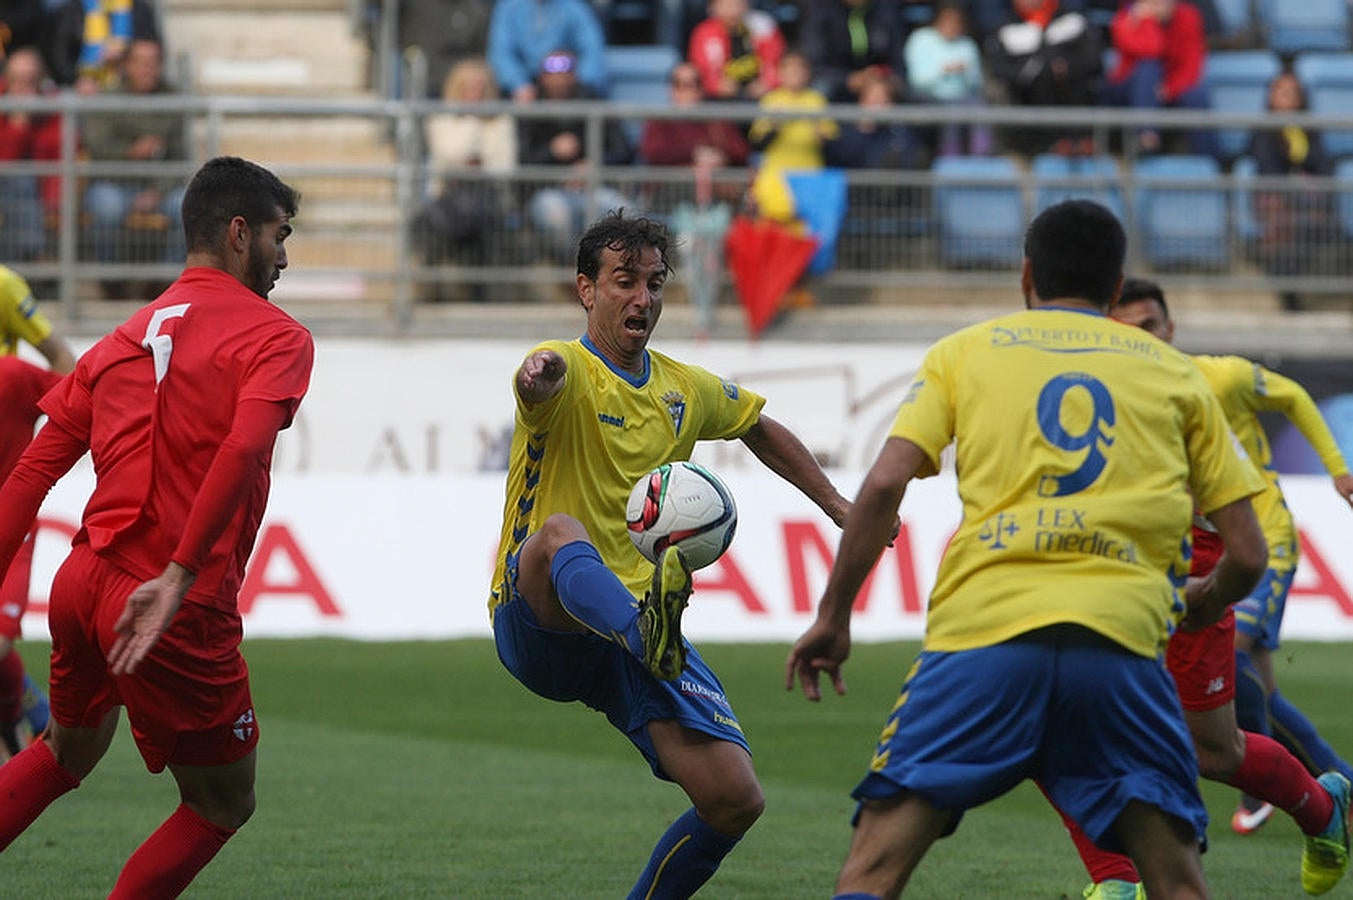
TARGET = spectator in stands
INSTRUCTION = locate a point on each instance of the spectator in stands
(459, 223)
(1046, 57)
(711, 143)
(1162, 49)
(445, 32)
(523, 33)
(788, 145)
(848, 40)
(124, 209)
(945, 66)
(26, 200)
(560, 212)
(1298, 229)
(91, 37)
(736, 50)
(874, 143)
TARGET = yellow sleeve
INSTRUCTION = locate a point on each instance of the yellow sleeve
(1220, 472)
(19, 316)
(1281, 394)
(926, 416)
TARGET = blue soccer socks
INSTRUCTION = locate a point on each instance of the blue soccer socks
(1298, 734)
(592, 594)
(688, 853)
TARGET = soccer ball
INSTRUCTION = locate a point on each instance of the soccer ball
(685, 504)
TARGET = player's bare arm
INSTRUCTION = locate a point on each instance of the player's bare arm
(149, 610)
(1344, 485)
(57, 353)
(1237, 572)
(541, 376)
(868, 529)
(781, 451)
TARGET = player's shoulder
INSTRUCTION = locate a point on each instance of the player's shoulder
(1224, 369)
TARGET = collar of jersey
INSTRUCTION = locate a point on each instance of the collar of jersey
(1071, 309)
(634, 380)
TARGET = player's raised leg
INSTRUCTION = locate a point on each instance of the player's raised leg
(569, 588)
(726, 799)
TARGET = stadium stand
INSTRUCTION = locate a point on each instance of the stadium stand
(1296, 26)
(638, 74)
(1237, 81)
(1181, 219)
(1328, 79)
(1343, 176)
(979, 210)
(1243, 220)
(1058, 178)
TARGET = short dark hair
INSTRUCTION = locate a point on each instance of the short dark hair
(228, 186)
(1135, 289)
(1076, 249)
(627, 235)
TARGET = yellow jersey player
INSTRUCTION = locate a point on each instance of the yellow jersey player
(1078, 446)
(577, 612)
(1246, 389)
(20, 320)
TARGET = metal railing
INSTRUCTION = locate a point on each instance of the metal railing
(358, 246)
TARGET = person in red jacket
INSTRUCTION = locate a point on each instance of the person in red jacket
(714, 143)
(24, 199)
(736, 50)
(1162, 49)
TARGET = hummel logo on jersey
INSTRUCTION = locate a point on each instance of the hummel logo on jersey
(244, 726)
(676, 408)
(606, 419)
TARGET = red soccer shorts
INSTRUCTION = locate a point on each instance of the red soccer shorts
(14, 591)
(188, 701)
(1203, 664)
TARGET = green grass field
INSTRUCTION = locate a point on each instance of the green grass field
(422, 770)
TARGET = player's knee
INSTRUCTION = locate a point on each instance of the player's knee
(734, 812)
(1219, 759)
(560, 529)
(228, 811)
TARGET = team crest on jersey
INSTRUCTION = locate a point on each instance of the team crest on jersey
(244, 725)
(676, 408)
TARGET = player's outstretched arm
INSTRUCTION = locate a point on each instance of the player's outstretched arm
(57, 353)
(541, 376)
(149, 610)
(868, 529)
(1344, 485)
(1242, 562)
(781, 451)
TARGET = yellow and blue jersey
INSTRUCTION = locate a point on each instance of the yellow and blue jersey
(19, 316)
(581, 451)
(1081, 446)
(1245, 389)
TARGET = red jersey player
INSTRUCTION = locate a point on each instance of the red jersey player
(180, 407)
(1202, 662)
(22, 385)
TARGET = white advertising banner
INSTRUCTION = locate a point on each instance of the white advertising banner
(387, 499)
(408, 557)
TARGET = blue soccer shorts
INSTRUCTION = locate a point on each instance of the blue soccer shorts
(1096, 725)
(568, 666)
(1260, 615)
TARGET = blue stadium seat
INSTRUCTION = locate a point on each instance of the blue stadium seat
(1243, 219)
(1237, 81)
(1328, 79)
(1058, 178)
(1181, 225)
(1237, 16)
(979, 208)
(1295, 26)
(639, 74)
(1343, 173)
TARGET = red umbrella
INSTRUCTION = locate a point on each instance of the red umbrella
(765, 259)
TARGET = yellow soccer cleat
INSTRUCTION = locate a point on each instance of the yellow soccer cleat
(1113, 889)
(660, 615)
(1324, 859)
